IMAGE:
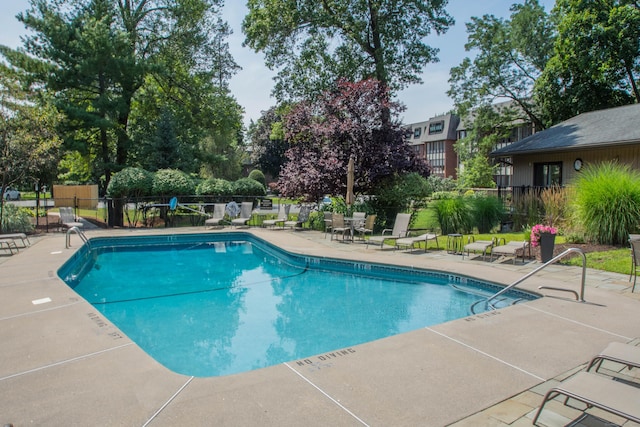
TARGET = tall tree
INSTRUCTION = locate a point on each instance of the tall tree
(511, 55)
(313, 43)
(339, 125)
(268, 145)
(596, 61)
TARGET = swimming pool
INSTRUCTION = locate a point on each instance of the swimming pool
(218, 304)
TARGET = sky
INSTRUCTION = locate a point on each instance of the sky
(252, 85)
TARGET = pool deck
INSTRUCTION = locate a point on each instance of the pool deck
(63, 363)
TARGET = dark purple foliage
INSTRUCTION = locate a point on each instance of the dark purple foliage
(349, 121)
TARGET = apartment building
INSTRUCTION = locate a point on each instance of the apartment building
(434, 140)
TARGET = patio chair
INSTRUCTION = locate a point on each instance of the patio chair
(634, 242)
(599, 392)
(400, 227)
(24, 239)
(367, 227)
(410, 242)
(482, 246)
(283, 215)
(303, 216)
(246, 209)
(327, 222)
(623, 354)
(338, 225)
(510, 249)
(218, 216)
(68, 219)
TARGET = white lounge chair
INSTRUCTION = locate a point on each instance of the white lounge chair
(597, 391)
(218, 216)
(303, 216)
(246, 209)
(482, 246)
(68, 219)
(400, 228)
(624, 354)
(283, 215)
(410, 242)
(17, 236)
(510, 249)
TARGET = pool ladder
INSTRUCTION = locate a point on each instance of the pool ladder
(543, 266)
(79, 232)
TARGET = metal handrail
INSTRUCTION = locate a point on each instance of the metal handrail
(79, 232)
(552, 261)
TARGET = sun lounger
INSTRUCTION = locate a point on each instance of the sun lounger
(218, 216)
(17, 236)
(482, 246)
(400, 228)
(625, 354)
(600, 392)
(9, 244)
(410, 242)
(68, 218)
(510, 249)
(246, 209)
(283, 215)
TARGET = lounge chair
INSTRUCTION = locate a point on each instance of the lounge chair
(624, 354)
(482, 246)
(410, 242)
(367, 227)
(634, 241)
(9, 244)
(303, 216)
(399, 230)
(218, 216)
(68, 219)
(510, 249)
(17, 236)
(283, 215)
(338, 225)
(246, 210)
(597, 391)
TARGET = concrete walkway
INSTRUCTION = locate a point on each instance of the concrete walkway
(64, 363)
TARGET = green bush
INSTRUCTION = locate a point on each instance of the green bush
(248, 187)
(130, 182)
(172, 182)
(16, 220)
(607, 202)
(454, 215)
(215, 187)
(487, 211)
(400, 193)
(257, 175)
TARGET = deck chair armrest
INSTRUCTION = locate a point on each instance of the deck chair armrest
(386, 230)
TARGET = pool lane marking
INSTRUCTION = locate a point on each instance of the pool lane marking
(168, 402)
(62, 362)
(504, 362)
(577, 322)
(326, 394)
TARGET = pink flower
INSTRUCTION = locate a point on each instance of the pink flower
(537, 230)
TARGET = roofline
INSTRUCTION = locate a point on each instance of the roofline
(498, 153)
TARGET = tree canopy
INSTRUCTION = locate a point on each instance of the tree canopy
(339, 125)
(313, 43)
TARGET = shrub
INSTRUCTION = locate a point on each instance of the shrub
(607, 202)
(248, 187)
(453, 215)
(487, 212)
(172, 182)
(130, 182)
(215, 187)
(554, 204)
(15, 219)
(257, 175)
(397, 194)
(526, 211)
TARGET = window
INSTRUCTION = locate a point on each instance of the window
(417, 132)
(436, 127)
(547, 174)
(436, 157)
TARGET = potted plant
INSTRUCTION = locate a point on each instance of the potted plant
(544, 236)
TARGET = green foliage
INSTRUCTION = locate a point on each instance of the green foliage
(248, 187)
(15, 219)
(527, 210)
(438, 183)
(399, 193)
(257, 175)
(215, 187)
(74, 167)
(454, 215)
(487, 212)
(313, 44)
(172, 182)
(607, 202)
(131, 182)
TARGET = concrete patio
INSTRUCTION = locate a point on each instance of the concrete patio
(63, 363)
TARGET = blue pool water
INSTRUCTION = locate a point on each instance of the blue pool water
(209, 305)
